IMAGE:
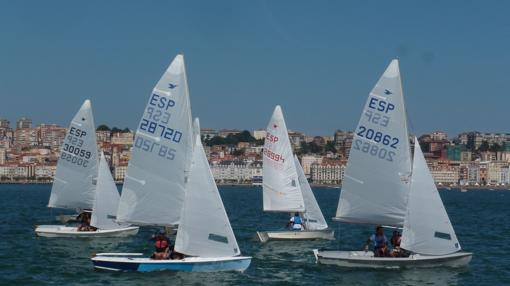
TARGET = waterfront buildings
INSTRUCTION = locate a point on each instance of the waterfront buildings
(330, 172)
(471, 158)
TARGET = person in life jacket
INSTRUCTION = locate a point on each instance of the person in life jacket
(380, 242)
(161, 245)
(84, 219)
(296, 223)
(395, 243)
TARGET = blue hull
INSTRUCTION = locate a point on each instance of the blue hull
(203, 266)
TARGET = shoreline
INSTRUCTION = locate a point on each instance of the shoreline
(328, 186)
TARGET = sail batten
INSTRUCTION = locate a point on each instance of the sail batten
(427, 228)
(204, 229)
(376, 181)
(153, 192)
(73, 185)
(281, 191)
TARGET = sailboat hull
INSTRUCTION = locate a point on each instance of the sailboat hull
(134, 262)
(69, 231)
(362, 259)
(327, 234)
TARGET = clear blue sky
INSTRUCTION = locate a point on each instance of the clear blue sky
(318, 59)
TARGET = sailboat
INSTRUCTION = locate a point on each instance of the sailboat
(382, 187)
(77, 184)
(204, 234)
(285, 187)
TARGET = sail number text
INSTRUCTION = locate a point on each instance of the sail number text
(72, 150)
(150, 146)
(374, 150)
(271, 138)
(273, 156)
(380, 105)
(155, 121)
(157, 116)
(377, 136)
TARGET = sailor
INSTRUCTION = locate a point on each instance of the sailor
(395, 243)
(395, 239)
(84, 219)
(296, 223)
(161, 245)
(380, 242)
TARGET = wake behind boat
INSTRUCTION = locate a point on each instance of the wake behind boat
(382, 187)
(286, 189)
(78, 185)
(205, 240)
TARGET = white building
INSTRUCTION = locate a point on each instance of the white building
(3, 156)
(473, 173)
(13, 171)
(445, 176)
(327, 173)
(236, 171)
(119, 172)
(307, 161)
(497, 173)
(259, 134)
(45, 171)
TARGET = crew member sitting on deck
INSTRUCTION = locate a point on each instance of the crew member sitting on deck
(395, 243)
(380, 242)
(84, 219)
(296, 223)
(161, 244)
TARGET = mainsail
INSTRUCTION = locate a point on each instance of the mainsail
(153, 191)
(281, 191)
(73, 185)
(314, 220)
(106, 199)
(204, 229)
(376, 181)
(427, 228)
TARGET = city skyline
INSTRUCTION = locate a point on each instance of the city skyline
(244, 58)
(21, 122)
(30, 154)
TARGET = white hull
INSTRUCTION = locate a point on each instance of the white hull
(134, 262)
(362, 259)
(327, 234)
(69, 231)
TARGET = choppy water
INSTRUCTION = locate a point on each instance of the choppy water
(480, 219)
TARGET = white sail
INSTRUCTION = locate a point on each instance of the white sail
(314, 220)
(153, 191)
(106, 198)
(281, 190)
(204, 229)
(427, 228)
(73, 185)
(376, 181)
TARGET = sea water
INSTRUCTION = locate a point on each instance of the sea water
(480, 218)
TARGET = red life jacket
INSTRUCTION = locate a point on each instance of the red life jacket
(161, 243)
